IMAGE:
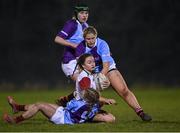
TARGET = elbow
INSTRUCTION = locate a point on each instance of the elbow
(59, 40)
(56, 39)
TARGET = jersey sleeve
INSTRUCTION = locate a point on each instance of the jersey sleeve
(68, 29)
(95, 109)
(85, 83)
(71, 104)
(104, 52)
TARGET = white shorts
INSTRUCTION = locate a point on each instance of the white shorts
(113, 66)
(68, 68)
(58, 117)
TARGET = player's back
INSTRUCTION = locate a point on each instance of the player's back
(79, 111)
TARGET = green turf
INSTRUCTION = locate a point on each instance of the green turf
(162, 104)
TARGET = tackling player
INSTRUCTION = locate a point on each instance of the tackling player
(106, 65)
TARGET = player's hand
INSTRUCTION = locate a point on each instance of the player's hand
(106, 84)
(110, 101)
(74, 46)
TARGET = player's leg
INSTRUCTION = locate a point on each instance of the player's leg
(53, 105)
(15, 106)
(62, 101)
(120, 86)
(17, 119)
(47, 110)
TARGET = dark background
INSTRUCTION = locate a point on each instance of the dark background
(143, 36)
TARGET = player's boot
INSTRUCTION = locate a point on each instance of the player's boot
(145, 117)
(13, 104)
(62, 101)
(7, 118)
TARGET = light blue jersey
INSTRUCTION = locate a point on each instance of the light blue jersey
(100, 52)
(103, 50)
(77, 37)
(71, 32)
(79, 111)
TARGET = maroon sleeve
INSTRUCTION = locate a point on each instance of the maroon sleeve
(85, 83)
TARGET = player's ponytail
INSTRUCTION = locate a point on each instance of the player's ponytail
(91, 96)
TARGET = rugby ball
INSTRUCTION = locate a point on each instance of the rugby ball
(99, 79)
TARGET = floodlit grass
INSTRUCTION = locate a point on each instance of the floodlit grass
(162, 104)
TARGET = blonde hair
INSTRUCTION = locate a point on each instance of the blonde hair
(89, 30)
(91, 96)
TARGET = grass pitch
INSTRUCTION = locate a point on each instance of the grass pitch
(163, 104)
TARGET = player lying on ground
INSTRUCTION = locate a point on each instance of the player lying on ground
(85, 109)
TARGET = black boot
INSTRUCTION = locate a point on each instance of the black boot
(145, 117)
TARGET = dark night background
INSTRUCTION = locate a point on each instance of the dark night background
(143, 37)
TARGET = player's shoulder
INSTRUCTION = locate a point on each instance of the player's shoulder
(101, 42)
(85, 24)
(83, 74)
(71, 22)
(77, 102)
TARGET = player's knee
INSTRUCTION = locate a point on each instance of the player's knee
(124, 91)
(39, 105)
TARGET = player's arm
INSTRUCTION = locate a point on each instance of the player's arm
(106, 101)
(80, 49)
(61, 41)
(67, 31)
(85, 83)
(105, 68)
(105, 55)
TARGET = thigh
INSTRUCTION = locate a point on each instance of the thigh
(55, 106)
(116, 80)
(47, 109)
(58, 116)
